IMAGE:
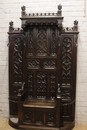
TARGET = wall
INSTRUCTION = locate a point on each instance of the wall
(72, 10)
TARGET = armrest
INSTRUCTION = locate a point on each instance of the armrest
(22, 93)
(21, 90)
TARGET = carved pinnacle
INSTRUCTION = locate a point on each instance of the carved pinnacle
(59, 12)
(75, 28)
(11, 28)
(23, 8)
(11, 23)
(59, 7)
(76, 22)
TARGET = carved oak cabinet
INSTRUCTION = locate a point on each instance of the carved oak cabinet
(42, 72)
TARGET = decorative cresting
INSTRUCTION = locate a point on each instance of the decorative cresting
(52, 21)
(42, 72)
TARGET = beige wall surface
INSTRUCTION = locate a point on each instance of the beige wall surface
(72, 10)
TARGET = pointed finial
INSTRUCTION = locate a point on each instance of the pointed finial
(75, 28)
(59, 12)
(23, 8)
(76, 22)
(11, 28)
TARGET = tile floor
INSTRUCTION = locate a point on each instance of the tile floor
(4, 125)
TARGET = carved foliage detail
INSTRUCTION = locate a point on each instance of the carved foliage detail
(66, 58)
(41, 85)
(42, 42)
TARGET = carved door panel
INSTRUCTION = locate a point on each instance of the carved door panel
(42, 61)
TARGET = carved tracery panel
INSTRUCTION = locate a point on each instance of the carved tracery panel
(51, 118)
(54, 42)
(66, 59)
(41, 84)
(53, 84)
(30, 42)
(30, 83)
(42, 42)
(18, 44)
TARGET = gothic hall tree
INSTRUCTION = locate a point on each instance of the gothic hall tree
(42, 72)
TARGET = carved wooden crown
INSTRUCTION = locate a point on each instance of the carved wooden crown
(35, 19)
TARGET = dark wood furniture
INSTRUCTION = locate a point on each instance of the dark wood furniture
(42, 72)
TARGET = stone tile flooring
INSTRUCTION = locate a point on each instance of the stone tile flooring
(5, 126)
